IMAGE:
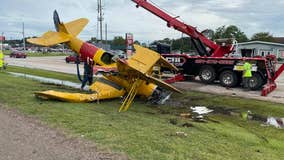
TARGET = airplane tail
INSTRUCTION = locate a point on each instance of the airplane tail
(64, 32)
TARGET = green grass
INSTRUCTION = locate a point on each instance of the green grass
(144, 132)
(44, 73)
(40, 54)
(6, 52)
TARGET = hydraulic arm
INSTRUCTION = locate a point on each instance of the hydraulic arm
(203, 45)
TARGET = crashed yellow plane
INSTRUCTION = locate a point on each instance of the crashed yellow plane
(126, 78)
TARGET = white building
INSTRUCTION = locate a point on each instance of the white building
(260, 48)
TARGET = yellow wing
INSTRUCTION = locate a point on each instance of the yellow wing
(102, 89)
(50, 38)
(144, 60)
(75, 27)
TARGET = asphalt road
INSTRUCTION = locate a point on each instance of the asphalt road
(55, 63)
(58, 64)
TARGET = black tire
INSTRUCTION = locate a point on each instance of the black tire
(66, 61)
(207, 74)
(228, 78)
(255, 82)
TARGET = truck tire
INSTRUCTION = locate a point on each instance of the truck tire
(66, 60)
(207, 74)
(255, 82)
(228, 78)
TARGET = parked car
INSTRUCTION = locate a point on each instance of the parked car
(18, 54)
(72, 58)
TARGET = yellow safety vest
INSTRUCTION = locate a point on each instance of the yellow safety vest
(1, 59)
(247, 70)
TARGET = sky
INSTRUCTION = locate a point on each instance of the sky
(121, 16)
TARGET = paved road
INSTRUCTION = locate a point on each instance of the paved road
(58, 64)
(23, 138)
(55, 63)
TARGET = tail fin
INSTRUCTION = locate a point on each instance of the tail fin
(64, 32)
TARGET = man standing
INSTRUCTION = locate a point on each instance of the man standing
(88, 72)
(1, 60)
(247, 74)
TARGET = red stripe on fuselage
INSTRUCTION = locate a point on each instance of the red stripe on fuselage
(88, 50)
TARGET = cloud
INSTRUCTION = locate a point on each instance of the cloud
(122, 16)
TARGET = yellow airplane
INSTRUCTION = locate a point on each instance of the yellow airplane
(126, 78)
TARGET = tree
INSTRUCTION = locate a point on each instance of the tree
(231, 31)
(262, 36)
(137, 42)
(118, 40)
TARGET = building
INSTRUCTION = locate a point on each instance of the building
(260, 48)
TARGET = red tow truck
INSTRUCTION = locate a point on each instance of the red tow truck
(215, 60)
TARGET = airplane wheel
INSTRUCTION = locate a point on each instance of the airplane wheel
(228, 78)
(207, 74)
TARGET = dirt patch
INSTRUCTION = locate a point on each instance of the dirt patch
(26, 138)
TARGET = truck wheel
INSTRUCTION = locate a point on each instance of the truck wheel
(66, 61)
(207, 74)
(228, 78)
(255, 82)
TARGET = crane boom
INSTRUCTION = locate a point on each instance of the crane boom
(200, 41)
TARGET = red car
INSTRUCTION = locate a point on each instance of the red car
(18, 54)
(72, 58)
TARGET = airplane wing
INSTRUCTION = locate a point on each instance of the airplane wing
(50, 38)
(144, 60)
(102, 89)
(128, 70)
(75, 27)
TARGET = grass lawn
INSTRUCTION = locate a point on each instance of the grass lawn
(39, 54)
(44, 73)
(144, 132)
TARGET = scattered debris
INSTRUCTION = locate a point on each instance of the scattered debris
(246, 115)
(185, 115)
(181, 134)
(276, 122)
(187, 125)
(173, 121)
(201, 110)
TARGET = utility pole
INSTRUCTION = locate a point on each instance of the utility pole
(100, 19)
(2, 35)
(24, 41)
(106, 33)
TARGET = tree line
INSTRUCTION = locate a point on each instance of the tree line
(222, 32)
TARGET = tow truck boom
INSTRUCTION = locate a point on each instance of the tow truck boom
(200, 41)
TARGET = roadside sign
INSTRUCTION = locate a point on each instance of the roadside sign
(129, 44)
(2, 38)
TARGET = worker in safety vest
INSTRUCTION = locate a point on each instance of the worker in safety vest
(247, 74)
(1, 60)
